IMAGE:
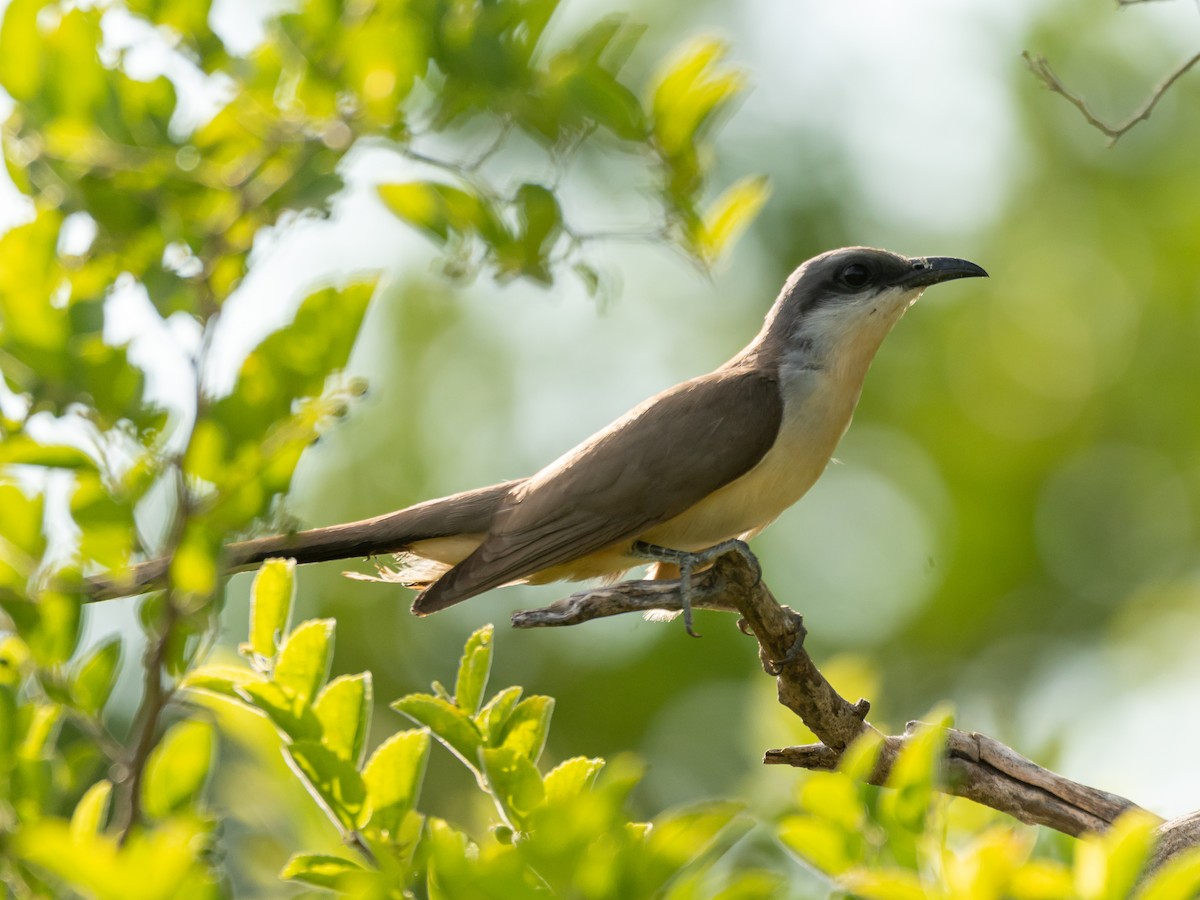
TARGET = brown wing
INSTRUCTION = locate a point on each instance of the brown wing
(647, 467)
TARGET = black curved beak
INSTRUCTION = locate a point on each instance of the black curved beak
(927, 270)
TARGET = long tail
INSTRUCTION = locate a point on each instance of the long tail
(464, 513)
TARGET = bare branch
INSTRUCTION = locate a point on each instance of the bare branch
(1174, 837)
(1041, 68)
(977, 767)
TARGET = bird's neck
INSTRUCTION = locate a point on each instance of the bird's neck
(842, 346)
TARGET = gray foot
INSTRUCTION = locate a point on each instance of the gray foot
(688, 561)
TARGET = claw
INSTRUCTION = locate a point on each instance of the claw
(689, 561)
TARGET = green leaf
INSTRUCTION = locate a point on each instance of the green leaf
(49, 627)
(271, 600)
(21, 518)
(225, 681)
(515, 782)
(684, 837)
(21, 449)
(95, 676)
(332, 781)
(291, 714)
(883, 884)
(473, 670)
(152, 864)
(393, 776)
(88, 818)
(729, 215)
(194, 568)
(1107, 866)
(441, 210)
(178, 767)
(14, 660)
(105, 520)
(818, 842)
(43, 721)
(571, 778)
(527, 727)
(8, 729)
(494, 715)
(541, 222)
(344, 710)
(835, 798)
(860, 758)
(21, 63)
(1179, 876)
(914, 773)
(319, 870)
(589, 276)
(449, 724)
(690, 92)
(305, 657)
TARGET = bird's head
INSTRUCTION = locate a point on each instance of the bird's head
(838, 307)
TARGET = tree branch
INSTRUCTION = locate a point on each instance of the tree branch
(977, 767)
(1040, 67)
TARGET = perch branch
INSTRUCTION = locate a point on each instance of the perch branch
(977, 767)
(1040, 67)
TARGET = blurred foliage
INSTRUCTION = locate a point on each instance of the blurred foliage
(157, 189)
(907, 842)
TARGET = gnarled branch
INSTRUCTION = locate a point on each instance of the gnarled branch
(977, 767)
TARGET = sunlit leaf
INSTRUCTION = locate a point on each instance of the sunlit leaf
(193, 568)
(817, 841)
(527, 727)
(333, 781)
(683, 837)
(21, 449)
(344, 710)
(914, 773)
(304, 659)
(271, 599)
(178, 767)
(1041, 880)
(835, 798)
(393, 777)
(473, 670)
(319, 870)
(91, 810)
(95, 675)
(689, 91)
(221, 680)
(883, 884)
(441, 210)
(571, 777)
(515, 782)
(449, 724)
(291, 714)
(729, 215)
(494, 716)
(1179, 876)
(14, 660)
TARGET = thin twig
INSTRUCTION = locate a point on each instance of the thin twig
(1041, 68)
(154, 700)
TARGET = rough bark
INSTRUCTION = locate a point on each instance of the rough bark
(976, 766)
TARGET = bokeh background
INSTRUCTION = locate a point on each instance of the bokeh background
(1013, 523)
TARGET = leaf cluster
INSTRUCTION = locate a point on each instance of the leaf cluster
(565, 832)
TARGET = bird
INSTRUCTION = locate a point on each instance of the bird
(683, 476)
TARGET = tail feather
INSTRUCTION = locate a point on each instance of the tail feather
(463, 513)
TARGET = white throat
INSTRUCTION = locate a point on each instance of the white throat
(841, 339)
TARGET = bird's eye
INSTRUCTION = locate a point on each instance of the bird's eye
(855, 275)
